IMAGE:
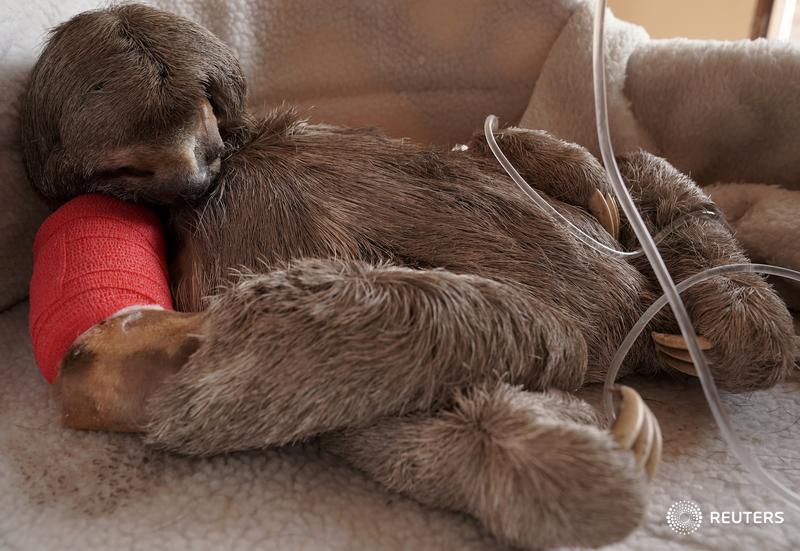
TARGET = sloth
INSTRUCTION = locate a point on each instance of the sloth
(405, 304)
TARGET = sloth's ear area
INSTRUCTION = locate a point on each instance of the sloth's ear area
(226, 89)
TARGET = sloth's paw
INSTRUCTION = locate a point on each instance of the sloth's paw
(747, 333)
(110, 371)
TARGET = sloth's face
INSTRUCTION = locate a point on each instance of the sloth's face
(128, 101)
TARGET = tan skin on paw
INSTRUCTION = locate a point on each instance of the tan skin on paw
(111, 370)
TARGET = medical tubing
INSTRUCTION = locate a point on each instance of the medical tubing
(648, 248)
(616, 363)
(649, 314)
(671, 293)
(710, 390)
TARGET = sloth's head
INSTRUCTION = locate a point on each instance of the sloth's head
(128, 101)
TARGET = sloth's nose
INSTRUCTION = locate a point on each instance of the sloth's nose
(209, 142)
(205, 165)
(208, 147)
(199, 156)
(208, 156)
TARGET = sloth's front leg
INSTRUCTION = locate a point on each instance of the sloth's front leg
(746, 328)
(328, 344)
(535, 469)
(562, 170)
(320, 346)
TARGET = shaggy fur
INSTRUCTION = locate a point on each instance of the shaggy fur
(516, 460)
(407, 303)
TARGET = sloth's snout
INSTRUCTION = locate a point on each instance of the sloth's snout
(181, 169)
(198, 167)
(207, 159)
(199, 160)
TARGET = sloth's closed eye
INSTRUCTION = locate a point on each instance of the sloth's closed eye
(211, 101)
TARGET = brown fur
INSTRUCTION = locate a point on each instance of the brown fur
(408, 303)
(73, 137)
(518, 461)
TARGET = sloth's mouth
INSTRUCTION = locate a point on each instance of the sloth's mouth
(124, 172)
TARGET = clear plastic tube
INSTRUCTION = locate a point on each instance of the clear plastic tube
(489, 128)
(649, 314)
(723, 421)
(649, 249)
(671, 293)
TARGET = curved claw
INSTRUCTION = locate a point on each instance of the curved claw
(637, 429)
(644, 443)
(614, 210)
(600, 209)
(630, 417)
(674, 352)
(676, 341)
(655, 454)
(678, 365)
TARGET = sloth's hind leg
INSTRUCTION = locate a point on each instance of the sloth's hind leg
(533, 468)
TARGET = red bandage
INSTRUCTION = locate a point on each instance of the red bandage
(91, 258)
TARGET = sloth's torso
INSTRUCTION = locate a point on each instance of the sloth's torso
(325, 193)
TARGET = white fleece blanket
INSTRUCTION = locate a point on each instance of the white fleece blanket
(426, 70)
(720, 111)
